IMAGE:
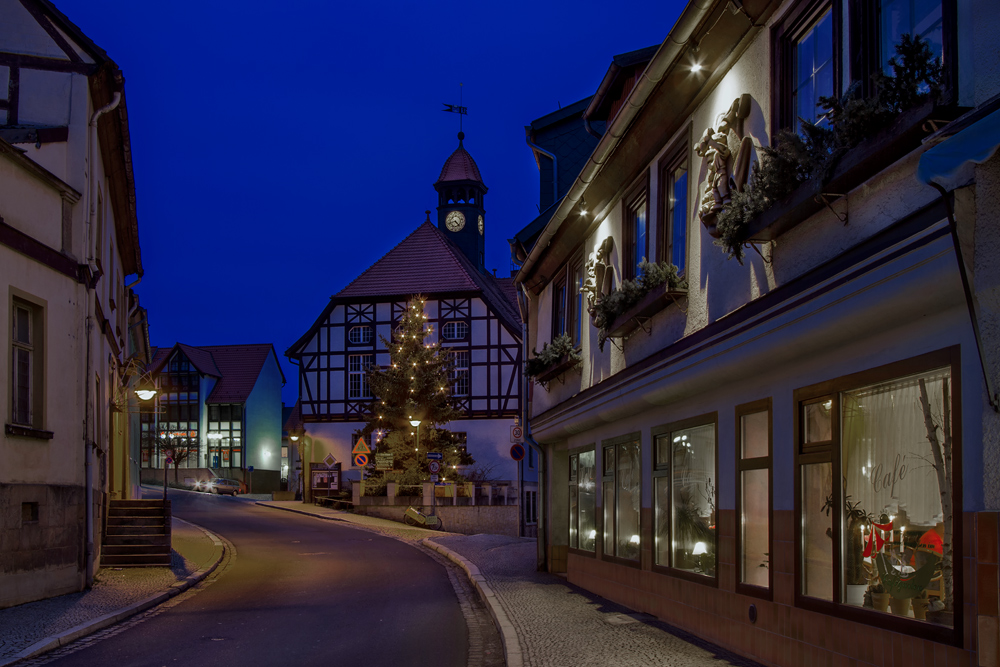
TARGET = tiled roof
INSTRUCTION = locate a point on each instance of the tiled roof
(424, 262)
(294, 419)
(240, 366)
(460, 167)
(237, 367)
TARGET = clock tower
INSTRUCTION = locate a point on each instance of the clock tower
(461, 212)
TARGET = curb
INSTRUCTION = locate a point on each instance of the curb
(263, 503)
(55, 641)
(513, 655)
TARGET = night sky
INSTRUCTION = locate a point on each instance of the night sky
(280, 148)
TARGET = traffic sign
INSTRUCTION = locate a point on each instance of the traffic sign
(516, 434)
(383, 460)
(361, 447)
(360, 460)
(517, 452)
(434, 467)
(169, 460)
(434, 456)
(434, 478)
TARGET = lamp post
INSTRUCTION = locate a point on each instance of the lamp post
(145, 390)
(415, 423)
(302, 441)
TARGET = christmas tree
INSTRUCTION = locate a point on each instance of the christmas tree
(415, 386)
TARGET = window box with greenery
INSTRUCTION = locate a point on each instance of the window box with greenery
(619, 312)
(856, 138)
(555, 359)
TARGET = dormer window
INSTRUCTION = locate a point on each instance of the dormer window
(455, 330)
(360, 335)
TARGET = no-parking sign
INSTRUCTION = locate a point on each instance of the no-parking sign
(360, 460)
(517, 452)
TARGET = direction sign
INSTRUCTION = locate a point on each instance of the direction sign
(434, 456)
(383, 460)
(434, 467)
(517, 452)
(361, 447)
(516, 434)
(360, 460)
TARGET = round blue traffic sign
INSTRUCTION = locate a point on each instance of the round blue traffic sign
(517, 452)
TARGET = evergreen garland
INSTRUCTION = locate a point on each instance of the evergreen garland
(813, 154)
(615, 303)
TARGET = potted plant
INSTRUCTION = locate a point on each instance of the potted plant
(555, 358)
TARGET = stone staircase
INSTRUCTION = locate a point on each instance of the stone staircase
(137, 534)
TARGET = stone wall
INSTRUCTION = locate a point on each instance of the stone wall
(494, 520)
(41, 533)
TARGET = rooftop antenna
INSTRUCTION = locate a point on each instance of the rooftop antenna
(460, 110)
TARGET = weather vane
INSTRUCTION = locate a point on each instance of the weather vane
(457, 108)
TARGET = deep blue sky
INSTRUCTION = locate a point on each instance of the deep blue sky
(280, 148)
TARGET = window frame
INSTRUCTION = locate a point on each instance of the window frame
(365, 339)
(948, 357)
(756, 463)
(455, 324)
(361, 372)
(678, 154)
(612, 444)
(574, 480)
(456, 371)
(666, 471)
(636, 198)
(783, 37)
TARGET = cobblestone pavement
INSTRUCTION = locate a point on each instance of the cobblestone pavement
(114, 590)
(557, 624)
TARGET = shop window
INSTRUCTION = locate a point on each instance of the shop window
(685, 495)
(753, 494)
(882, 539)
(674, 211)
(582, 501)
(622, 496)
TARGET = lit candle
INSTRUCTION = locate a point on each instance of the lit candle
(902, 529)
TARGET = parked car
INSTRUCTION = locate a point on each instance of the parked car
(219, 485)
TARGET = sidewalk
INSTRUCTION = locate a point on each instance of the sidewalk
(37, 627)
(542, 619)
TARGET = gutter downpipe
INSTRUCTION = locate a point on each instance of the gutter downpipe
(672, 47)
(542, 541)
(88, 446)
(555, 170)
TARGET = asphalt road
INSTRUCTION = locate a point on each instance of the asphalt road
(299, 592)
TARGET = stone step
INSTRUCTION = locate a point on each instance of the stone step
(138, 503)
(116, 529)
(149, 560)
(143, 539)
(135, 550)
(135, 520)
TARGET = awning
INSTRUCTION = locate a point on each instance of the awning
(976, 143)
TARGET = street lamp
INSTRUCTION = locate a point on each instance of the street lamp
(145, 390)
(415, 423)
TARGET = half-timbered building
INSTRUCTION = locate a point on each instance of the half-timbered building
(471, 312)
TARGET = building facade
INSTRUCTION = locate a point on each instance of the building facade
(76, 335)
(792, 451)
(217, 413)
(473, 314)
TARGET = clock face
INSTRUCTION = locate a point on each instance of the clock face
(480, 225)
(455, 221)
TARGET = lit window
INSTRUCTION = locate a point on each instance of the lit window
(753, 480)
(582, 501)
(622, 490)
(360, 335)
(455, 330)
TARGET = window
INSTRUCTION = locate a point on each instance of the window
(634, 216)
(225, 431)
(360, 335)
(674, 215)
(559, 306)
(806, 63)
(179, 408)
(455, 330)
(919, 18)
(531, 507)
(582, 501)
(460, 373)
(753, 493)
(26, 377)
(357, 375)
(622, 495)
(884, 537)
(685, 496)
